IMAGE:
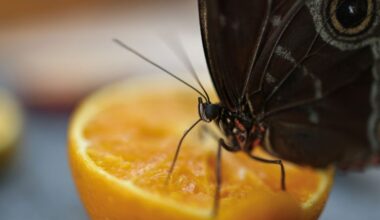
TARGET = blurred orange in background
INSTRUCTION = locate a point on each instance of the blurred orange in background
(11, 125)
(54, 52)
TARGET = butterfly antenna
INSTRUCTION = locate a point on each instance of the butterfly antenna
(178, 49)
(174, 161)
(123, 45)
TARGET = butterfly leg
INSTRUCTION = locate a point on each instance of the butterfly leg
(218, 167)
(218, 174)
(279, 162)
(174, 161)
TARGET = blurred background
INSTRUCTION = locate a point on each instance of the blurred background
(53, 53)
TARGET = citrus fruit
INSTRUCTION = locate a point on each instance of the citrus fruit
(10, 124)
(121, 144)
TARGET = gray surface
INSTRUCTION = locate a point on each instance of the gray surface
(355, 196)
(38, 186)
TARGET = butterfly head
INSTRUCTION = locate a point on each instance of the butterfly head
(208, 111)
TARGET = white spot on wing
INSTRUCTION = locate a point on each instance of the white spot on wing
(287, 55)
(317, 83)
(313, 116)
(222, 20)
(276, 20)
(269, 78)
(284, 53)
(318, 88)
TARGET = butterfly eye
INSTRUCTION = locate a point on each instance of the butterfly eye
(351, 17)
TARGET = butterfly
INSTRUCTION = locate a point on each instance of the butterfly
(300, 78)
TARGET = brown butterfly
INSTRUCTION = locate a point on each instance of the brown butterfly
(301, 78)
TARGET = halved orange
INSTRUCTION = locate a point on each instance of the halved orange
(121, 143)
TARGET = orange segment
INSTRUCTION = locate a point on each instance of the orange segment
(122, 141)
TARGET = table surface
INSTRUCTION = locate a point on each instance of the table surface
(38, 184)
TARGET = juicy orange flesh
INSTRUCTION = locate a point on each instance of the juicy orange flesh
(134, 139)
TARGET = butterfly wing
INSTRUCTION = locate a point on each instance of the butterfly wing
(319, 96)
(337, 128)
(230, 33)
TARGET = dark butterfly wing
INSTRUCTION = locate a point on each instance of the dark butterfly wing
(336, 128)
(320, 99)
(230, 32)
(317, 96)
